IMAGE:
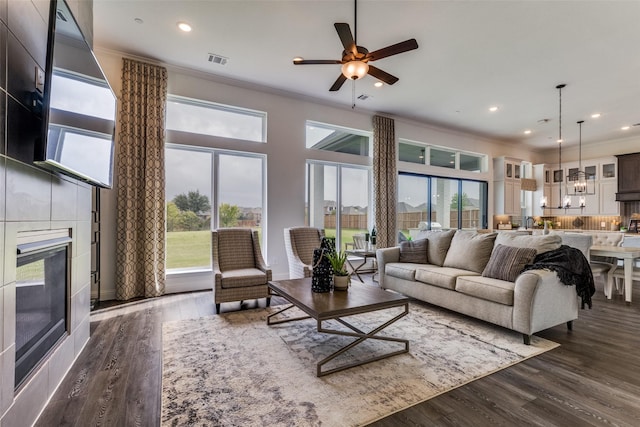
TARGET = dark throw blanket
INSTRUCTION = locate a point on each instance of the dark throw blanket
(572, 268)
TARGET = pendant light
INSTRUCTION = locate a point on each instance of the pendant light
(565, 203)
(579, 183)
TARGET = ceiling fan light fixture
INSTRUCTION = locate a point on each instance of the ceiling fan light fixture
(378, 84)
(355, 70)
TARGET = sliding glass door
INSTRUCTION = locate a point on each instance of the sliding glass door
(435, 203)
(338, 200)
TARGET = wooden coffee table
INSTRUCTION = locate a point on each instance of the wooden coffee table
(336, 305)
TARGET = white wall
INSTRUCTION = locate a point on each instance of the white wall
(285, 150)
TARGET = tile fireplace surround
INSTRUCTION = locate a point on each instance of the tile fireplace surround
(32, 200)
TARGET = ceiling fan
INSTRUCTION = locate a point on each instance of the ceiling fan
(355, 59)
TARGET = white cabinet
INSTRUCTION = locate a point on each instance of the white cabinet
(602, 176)
(507, 186)
(608, 204)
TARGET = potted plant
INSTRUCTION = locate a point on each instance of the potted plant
(341, 277)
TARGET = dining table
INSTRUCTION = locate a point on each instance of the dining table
(628, 255)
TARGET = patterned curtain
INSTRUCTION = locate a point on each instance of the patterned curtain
(140, 250)
(384, 180)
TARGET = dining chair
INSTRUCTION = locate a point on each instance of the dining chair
(603, 266)
(618, 273)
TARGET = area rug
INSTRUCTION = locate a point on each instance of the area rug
(234, 370)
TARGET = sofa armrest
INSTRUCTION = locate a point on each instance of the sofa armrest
(384, 256)
(541, 301)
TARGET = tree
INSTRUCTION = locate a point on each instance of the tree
(188, 221)
(229, 215)
(193, 201)
(454, 201)
(173, 214)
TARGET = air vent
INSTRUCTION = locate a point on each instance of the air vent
(217, 59)
(364, 97)
(60, 15)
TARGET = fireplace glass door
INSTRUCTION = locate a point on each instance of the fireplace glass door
(41, 306)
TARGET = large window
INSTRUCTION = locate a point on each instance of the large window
(427, 202)
(206, 189)
(208, 118)
(338, 200)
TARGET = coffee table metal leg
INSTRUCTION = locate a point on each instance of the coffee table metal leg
(276, 322)
(362, 336)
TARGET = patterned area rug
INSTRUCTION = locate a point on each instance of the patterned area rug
(234, 370)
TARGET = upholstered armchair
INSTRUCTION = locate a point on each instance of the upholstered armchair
(239, 270)
(299, 243)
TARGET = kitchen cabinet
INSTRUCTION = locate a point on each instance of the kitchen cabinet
(628, 177)
(601, 174)
(507, 186)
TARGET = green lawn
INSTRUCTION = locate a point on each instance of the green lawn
(188, 249)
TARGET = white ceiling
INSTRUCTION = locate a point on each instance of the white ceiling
(471, 55)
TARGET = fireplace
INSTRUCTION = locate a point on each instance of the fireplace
(41, 297)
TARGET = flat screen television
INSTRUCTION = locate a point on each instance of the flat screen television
(79, 106)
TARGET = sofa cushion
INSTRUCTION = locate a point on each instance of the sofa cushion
(401, 270)
(541, 244)
(507, 262)
(438, 245)
(470, 250)
(486, 288)
(443, 277)
(414, 251)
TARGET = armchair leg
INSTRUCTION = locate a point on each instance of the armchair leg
(570, 325)
(217, 308)
(527, 339)
(268, 301)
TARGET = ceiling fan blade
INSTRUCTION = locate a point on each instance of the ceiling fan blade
(315, 61)
(394, 49)
(344, 32)
(338, 83)
(382, 75)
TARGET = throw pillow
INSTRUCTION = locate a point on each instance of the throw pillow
(414, 251)
(438, 246)
(470, 250)
(541, 244)
(507, 262)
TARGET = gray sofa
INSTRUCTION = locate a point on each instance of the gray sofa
(453, 274)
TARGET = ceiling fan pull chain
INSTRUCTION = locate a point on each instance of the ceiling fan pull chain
(353, 94)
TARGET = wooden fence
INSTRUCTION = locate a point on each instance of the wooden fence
(406, 220)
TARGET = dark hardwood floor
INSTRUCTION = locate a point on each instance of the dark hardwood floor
(593, 378)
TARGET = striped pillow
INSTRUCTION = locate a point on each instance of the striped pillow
(414, 251)
(507, 262)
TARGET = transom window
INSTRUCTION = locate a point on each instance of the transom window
(333, 138)
(443, 157)
(209, 118)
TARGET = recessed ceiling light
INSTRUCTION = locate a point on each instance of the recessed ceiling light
(493, 109)
(595, 115)
(626, 127)
(138, 21)
(527, 132)
(184, 26)
(378, 84)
